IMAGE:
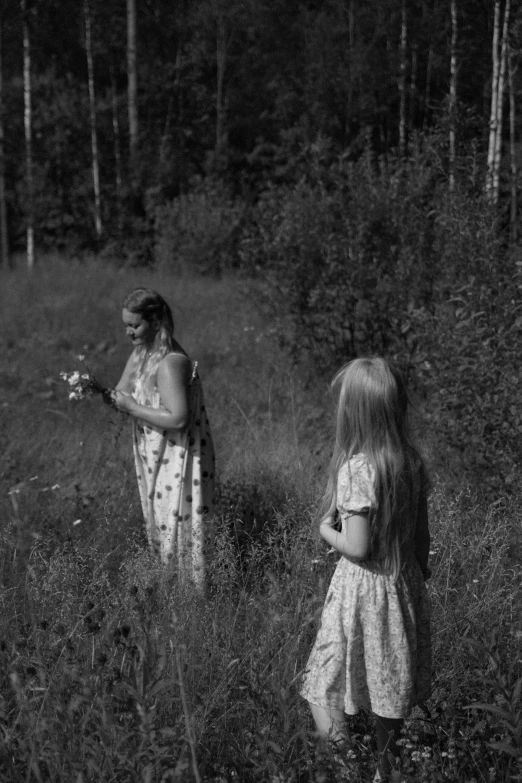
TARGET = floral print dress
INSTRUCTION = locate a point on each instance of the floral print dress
(175, 471)
(373, 647)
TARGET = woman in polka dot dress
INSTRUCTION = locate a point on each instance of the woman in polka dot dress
(160, 388)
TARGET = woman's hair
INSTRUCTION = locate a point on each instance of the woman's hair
(153, 309)
(372, 419)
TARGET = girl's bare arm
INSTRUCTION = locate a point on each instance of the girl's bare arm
(354, 542)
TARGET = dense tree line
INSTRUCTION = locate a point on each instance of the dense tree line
(236, 90)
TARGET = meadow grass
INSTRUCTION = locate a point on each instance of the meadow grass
(111, 670)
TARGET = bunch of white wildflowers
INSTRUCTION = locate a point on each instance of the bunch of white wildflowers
(82, 385)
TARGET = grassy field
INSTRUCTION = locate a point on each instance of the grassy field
(110, 670)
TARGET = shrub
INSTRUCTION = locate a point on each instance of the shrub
(365, 259)
(468, 364)
(198, 231)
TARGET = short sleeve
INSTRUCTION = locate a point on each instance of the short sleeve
(355, 492)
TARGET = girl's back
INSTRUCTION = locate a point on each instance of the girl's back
(356, 489)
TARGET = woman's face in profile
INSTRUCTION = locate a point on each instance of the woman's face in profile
(139, 331)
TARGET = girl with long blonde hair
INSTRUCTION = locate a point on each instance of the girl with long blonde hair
(373, 648)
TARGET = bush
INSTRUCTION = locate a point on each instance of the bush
(198, 231)
(468, 363)
(366, 259)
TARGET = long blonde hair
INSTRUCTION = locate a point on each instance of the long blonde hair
(372, 419)
(152, 308)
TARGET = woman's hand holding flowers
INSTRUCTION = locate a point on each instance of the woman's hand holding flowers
(123, 402)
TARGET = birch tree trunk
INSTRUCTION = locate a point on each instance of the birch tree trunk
(413, 87)
(221, 63)
(116, 140)
(132, 89)
(94, 135)
(427, 92)
(494, 101)
(512, 148)
(179, 124)
(453, 96)
(402, 80)
(4, 245)
(28, 136)
(500, 102)
(351, 42)
(426, 100)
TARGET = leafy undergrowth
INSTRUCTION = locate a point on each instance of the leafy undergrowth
(123, 674)
(109, 669)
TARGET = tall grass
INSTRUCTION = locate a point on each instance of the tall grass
(112, 671)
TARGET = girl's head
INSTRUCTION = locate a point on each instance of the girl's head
(148, 321)
(372, 406)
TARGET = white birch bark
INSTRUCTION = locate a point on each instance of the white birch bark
(116, 138)
(402, 80)
(500, 103)
(132, 89)
(221, 63)
(92, 112)
(494, 100)
(179, 123)
(453, 96)
(413, 86)
(426, 101)
(512, 148)
(4, 245)
(28, 136)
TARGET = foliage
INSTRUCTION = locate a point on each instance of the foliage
(111, 670)
(197, 231)
(469, 364)
(293, 72)
(379, 258)
(350, 249)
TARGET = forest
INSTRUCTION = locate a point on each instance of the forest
(306, 181)
(360, 158)
(113, 110)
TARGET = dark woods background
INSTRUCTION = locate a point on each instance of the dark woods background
(361, 158)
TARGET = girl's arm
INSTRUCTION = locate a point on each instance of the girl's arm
(354, 543)
(422, 536)
(173, 381)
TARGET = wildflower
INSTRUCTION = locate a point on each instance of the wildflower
(82, 384)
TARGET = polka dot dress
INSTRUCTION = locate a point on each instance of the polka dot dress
(175, 473)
